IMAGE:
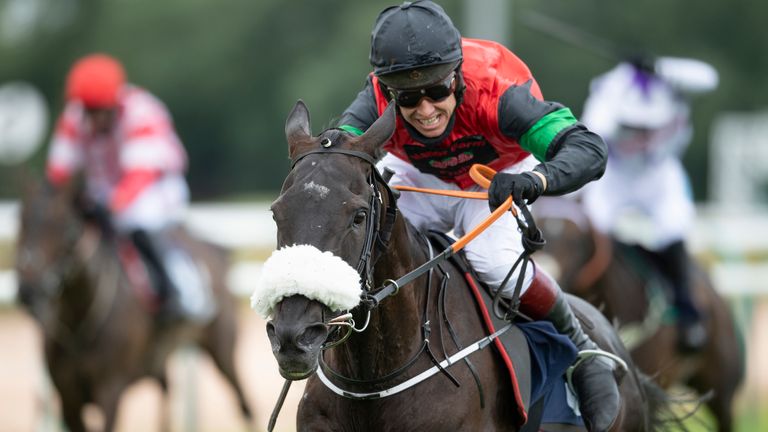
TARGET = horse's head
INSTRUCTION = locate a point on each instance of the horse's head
(48, 234)
(327, 215)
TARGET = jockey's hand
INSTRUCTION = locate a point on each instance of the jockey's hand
(526, 186)
(98, 214)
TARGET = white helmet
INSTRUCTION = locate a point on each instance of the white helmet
(636, 97)
(648, 102)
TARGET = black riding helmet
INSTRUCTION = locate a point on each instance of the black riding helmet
(414, 45)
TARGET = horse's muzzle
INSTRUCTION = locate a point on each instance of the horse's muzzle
(296, 348)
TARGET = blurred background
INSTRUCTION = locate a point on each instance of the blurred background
(230, 70)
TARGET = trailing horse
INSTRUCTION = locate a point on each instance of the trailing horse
(100, 335)
(408, 356)
(622, 280)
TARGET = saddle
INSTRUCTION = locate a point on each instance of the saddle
(189, 280)
(536, 374)
(138, 274)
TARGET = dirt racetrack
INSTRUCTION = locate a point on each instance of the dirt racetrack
(201, 400)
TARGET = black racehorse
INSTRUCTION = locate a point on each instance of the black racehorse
(334, 203)
(99, 335)
(623, 281)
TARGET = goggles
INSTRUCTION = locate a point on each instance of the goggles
(437, 92)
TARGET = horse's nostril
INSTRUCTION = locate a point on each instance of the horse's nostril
(312, 336)
(273, 339)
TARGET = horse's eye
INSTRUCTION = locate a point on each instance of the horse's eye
(359, 217)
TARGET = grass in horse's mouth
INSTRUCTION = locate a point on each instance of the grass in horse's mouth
(296, 376)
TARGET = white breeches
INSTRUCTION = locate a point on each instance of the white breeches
(493, 252)
(660, 193)
(161, 204)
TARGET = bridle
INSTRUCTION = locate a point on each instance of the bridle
(378, 234)
(82, 245)
(379, 224)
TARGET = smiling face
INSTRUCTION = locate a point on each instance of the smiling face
(430, 118)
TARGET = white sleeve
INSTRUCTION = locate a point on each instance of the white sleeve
(150, 139)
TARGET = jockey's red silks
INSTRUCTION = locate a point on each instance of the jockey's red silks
(130, 186)
(488, 71)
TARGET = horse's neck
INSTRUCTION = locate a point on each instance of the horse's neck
(394, 334)
(93, 284)
(622, 288)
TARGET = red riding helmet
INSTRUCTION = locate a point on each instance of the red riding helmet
(96, 80)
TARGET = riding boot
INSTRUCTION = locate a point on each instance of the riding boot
(593, 379)
(674, 263)
(170, 309)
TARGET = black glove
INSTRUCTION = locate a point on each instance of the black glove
(526, 186)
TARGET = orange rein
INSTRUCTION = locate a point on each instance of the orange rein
(482, 175)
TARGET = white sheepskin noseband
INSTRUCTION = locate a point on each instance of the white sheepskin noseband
(305, 270)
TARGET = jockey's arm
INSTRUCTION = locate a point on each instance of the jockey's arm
(65, 151)
(571, 155)
(130, 186)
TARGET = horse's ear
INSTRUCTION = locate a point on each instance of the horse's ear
(297, 128)
(380, 131)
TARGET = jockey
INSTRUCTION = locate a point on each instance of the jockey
(122, 139)
(465, 101)
(640, 110)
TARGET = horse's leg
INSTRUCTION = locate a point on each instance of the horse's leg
(720, 381)
(314, 412)
(721, 367)
(71, 389)
(720, 405)
(107, 397)
(219, 341)
(72, 411)
(165, 410)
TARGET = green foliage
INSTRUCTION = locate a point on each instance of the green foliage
(231, 70)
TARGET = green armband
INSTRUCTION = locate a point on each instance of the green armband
(351, 129)
(539, 137)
